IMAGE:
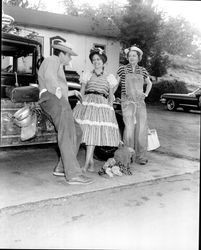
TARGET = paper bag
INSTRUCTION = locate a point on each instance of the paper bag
(153, 141)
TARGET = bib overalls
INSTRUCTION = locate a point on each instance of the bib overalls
(135, 114)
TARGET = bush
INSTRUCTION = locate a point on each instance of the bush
(165, 87)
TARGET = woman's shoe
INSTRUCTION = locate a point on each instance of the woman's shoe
(91, 167)
(92, 170)
(58, 172)
(142, 162)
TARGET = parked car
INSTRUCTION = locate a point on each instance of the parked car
(188, 101)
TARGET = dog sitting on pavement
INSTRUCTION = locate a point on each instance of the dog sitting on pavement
(120, 163)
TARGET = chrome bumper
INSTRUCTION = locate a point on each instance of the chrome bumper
(163, 100)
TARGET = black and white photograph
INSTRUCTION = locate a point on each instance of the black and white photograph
(100, 124)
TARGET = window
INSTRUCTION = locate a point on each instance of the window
(16, 57)
(7, 64)
(55, 40)
(25, 64)
(100, 46)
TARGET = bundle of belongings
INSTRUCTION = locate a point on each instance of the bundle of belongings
(120, 163)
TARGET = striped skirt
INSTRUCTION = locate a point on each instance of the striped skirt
(97, 120)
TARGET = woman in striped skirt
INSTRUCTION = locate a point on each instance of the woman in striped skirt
(96, 114)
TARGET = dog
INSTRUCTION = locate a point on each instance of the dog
(120, 163)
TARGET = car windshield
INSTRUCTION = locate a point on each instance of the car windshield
(195, 92)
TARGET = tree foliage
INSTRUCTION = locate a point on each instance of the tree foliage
(166, 86)
(70, 8)
(158, 64)
(177, 37)
(18, 3)
(140, 25)
(24, 4)
(111, 11)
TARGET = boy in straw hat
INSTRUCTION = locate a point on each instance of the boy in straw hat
(54, 102)
(132, 78)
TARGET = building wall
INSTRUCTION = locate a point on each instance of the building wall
(82, 45)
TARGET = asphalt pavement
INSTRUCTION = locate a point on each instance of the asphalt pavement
(155, 208)
(151, 215)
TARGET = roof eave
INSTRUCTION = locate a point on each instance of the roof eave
(61, 22)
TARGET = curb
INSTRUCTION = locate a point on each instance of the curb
(53, 201)
(176, 155)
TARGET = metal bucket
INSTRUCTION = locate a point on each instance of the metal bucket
(23, 117)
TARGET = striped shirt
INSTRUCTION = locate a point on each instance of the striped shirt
(122, 74)
(98, 84)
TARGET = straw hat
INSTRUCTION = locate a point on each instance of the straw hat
(134, 48)
(64, 47)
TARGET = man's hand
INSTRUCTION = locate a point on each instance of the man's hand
(58, 93)
(78, 95)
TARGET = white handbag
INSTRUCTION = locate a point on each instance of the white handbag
(153, 141)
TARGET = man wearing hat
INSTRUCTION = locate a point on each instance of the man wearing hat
(132, 78)
(54, 102)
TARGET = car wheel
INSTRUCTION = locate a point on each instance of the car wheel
(171, 105)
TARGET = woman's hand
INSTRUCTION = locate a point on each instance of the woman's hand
(78, 95)
(110, 103)
(143, 96)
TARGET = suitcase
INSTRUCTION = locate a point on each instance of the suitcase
(22, 94)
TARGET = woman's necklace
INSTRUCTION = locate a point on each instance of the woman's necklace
(100, 74)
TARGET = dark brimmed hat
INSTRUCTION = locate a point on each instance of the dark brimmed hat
(98, 51)
(64, 47)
